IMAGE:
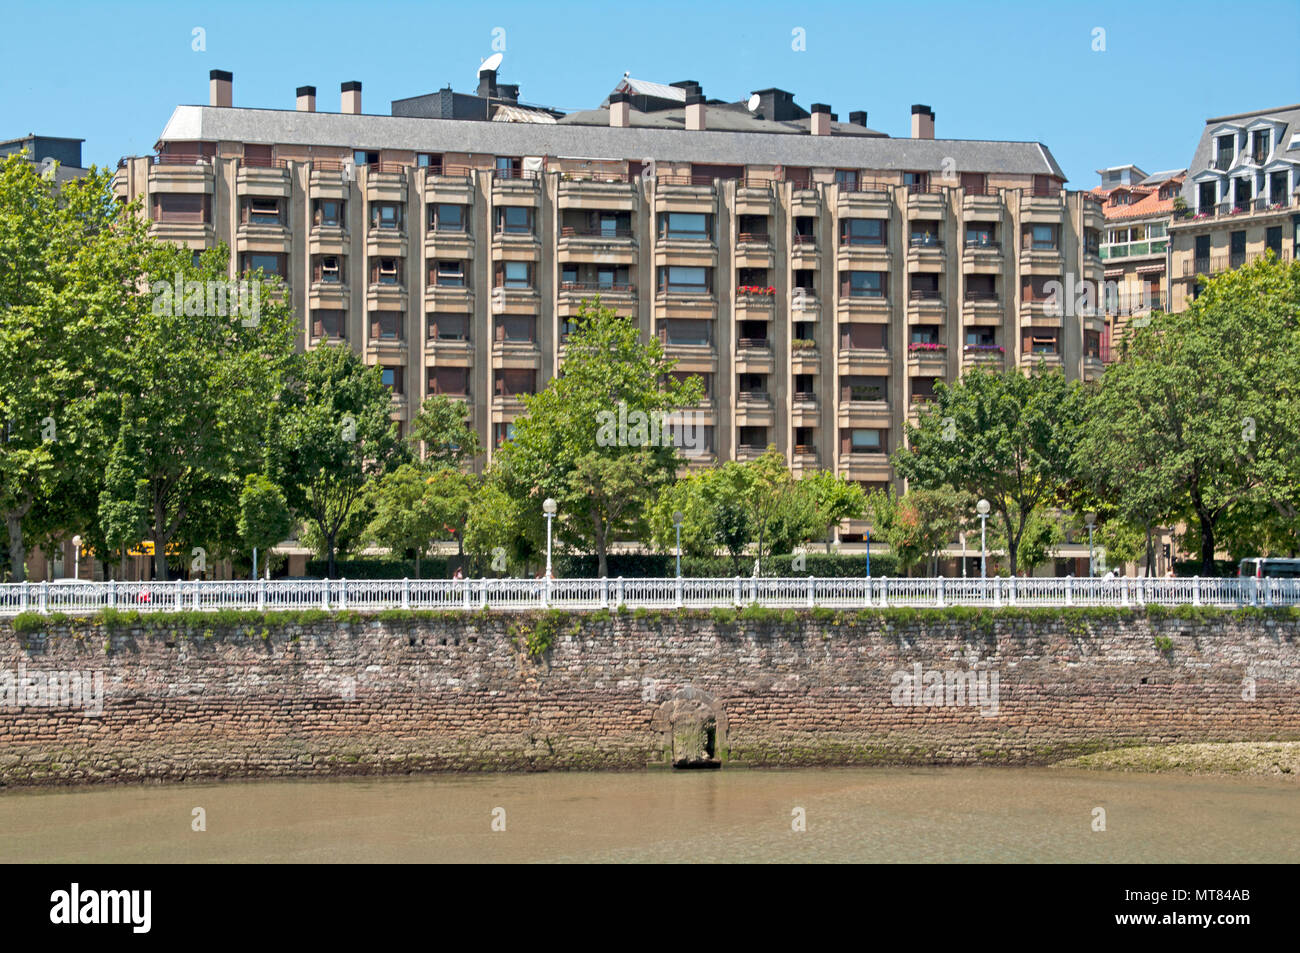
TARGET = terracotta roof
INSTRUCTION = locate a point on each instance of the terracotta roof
(1146, 202)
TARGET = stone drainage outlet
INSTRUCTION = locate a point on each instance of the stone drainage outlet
(694, 729)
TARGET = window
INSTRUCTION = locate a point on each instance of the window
(847, 179)
(515, 275)
(925, 334)
(925, 234)
(1092, 344)
(262, 211)
(448, 274)
(981, 338)
(517, 328)
(327, 323)
(752, 438)
(917, 181)
(925, 286)
(692, 226)
(453, 381)
(328, 212)
(705, 379)
(1273, 240)
(447, 218)
(363, 157)
(445, 326)
(386, 271)
(683, 278)
(392, 377)
(178, 207)
(1035, 287)
(974, 183)
(327, 268)
(515, 220)
(923, 388)
(863, 231)
(271, 264)
(1040, 341)
(863, 388)
(429, 160)
(862, 284)
(872, 337)
(981, 234)
(386, 215)
(1259, 144)
(509, 167)
(981, 287)
(513, 382)
(387, 325)
(866, 440)
(1041, 237)
(686, 332)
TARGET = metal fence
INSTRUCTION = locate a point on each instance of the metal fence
(371, 595)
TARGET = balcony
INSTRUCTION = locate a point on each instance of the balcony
(754, 304)
(754, 196)
(924, 249)
(1260, 205)
(1031, 359)
(861, 360)
(871, 197)
(1043, 311)
(1041, 259)
(982, 307)
(259, 179)
(863, 257)
(982, 206)
(984, 355)
(603, 246)
(754, 356)
(385, 182)
(597, 191)
(982, 258)
(446, 243)
(926, 200)
(685, 193)
(1155, 246)
(927, 357)
(450, 185)
(803, 251)
(753, 250)
(754, 409)
(925, 303)
(1046, 205)
(575, 292)
(805, 357)
(516, 186)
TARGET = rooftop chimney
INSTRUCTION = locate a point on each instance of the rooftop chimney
(509, 92)
(220, 86)
(487, 83)
(351, 97)
(306, 99)
(922, 122)
(821, 119)
(858, 118)
(695, 112)
(690, 85)
(620, 110)
(778, 105)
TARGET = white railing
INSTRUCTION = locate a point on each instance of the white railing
(372, 595)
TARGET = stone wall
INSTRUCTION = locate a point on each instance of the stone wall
(182, 699)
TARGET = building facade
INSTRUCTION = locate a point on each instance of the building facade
(1241, 199)
(819, 276)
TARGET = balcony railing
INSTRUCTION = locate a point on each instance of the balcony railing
(258, 162)
(924, 294)
(181, 158)
(803, 241)
(923, 241)
(579, 231)
(598, 286)
(753, 238)
(982, 296)
(753, 344)
(990, 245)
(702, 180)
(527, 175)
(609, 177)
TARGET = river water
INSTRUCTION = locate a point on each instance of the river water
(871, 815)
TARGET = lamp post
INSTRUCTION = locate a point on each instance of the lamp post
(1091, 520)
(868, 552)
(982, 508)
(963, 555)
(677, 522)
(76, 557)
(549, 507)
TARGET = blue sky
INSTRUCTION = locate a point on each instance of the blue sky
(112, 73)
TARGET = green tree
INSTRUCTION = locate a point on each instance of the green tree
(264, 515)
(917, 525)
(1004, 437)
(441, 428)
(610, 402)
(331, 437)
(836, 500)
(410, 511)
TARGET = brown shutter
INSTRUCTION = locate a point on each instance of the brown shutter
(846, 441)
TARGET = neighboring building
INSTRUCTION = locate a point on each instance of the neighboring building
(66, 152)
(1135, 245)
(1242, 197)
(820, 276)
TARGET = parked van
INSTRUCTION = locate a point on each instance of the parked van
(1262, 568)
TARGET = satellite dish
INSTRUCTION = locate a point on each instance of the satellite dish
(753, 103)
(493, 62)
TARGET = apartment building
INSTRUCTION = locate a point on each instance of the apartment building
(1241, 198)
(1135, 245)
(44, 150)
(819, 275)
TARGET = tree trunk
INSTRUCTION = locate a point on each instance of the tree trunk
(17, 553)
(329, 554)
(1207, 544)
(1151, 551)
(830, 532)
(160, 569)
(417, 564)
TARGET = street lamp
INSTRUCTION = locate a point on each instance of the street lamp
(982, 508)
(1091, 520)
(677, 522)
(76, 557)
(868, 552)
(549, 507)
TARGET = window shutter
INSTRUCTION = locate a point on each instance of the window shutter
(846, 441)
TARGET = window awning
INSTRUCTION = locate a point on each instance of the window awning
(1151, 269)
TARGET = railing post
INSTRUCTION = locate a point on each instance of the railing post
(604, 592)
(679, 592)
(196, 595)
(1123, 591)
(1196, 590)
(738, 599)
(997, 591)
(619, 591)
(261, 594)
(482, 593)
(178, 595)
(343, 593)
(24, 598)
(811, 587)
(1069, 590)
(44, 597)
(939, 599)
(406, 593)
(1268, 593)
(1011, 590)
(112, 593)
(1254, 590)
(325, 594)
(884, 592)
(753, 589)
